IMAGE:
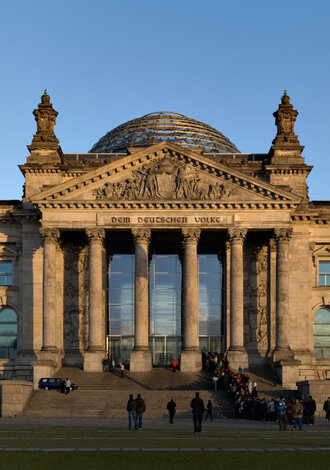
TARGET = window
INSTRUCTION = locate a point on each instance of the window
(6, 273)
(322, 333)
(8, 333)
(324, 273)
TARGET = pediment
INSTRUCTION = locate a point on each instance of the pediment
(165, 172)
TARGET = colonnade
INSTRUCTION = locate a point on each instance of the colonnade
(141, 356)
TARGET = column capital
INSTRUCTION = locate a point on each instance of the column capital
(50, 234)
(236, 234)
(283, 234)
(96, 234)
(190, 235)
(141, 235)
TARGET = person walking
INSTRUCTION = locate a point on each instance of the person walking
(113, 366)
(297, 414)
(209, 409)
(171, 406)
(67, 386)
(326, 408)
(140, 409)
(122, 370)
(281, 409)
(131, 409)
(197, 406)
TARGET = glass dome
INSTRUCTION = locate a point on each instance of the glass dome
(164, 126)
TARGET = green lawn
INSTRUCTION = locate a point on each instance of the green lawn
(175, 438)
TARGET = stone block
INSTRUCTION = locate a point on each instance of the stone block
(42, 369)
(93, 361)
(140, 361)
(288, 372)
(238, 358)
(190, 361)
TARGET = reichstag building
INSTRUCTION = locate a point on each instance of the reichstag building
(164, 241)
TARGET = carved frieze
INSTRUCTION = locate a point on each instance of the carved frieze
(166, 178)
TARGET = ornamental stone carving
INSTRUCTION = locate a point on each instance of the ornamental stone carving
(141, 235)
(236, 234)
(95, 234)
(256, 279)
(190, 235)
(283, 235)
(50, 234)
(166, 178)
(75, 321)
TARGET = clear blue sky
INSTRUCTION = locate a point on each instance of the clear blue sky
(223, 62)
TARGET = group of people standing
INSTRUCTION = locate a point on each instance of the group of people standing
(135, 409)
(295, 412)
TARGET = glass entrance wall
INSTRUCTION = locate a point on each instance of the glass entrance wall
(210, 321)
(165, 298)
(120, 327)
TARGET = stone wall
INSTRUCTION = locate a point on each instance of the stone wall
(14, 394)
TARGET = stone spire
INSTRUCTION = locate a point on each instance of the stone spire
(44, 147)
(285, 117)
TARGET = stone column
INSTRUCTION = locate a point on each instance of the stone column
(50, 237)
(140, 360)
(282, 350)
(191, 359)
(95, 354)
(237, 354)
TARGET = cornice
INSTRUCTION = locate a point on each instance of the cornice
(260, 205)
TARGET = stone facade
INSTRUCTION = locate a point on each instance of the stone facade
(271, 236)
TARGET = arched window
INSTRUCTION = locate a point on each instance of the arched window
(8, 333)
(322, 333)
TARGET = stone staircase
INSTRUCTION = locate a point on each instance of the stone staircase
(104, 395)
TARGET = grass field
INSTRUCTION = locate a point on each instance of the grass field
(176, 448)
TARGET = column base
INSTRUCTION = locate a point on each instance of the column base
(284, 354)
(43, 368)
(191, 361)
(140, 361)
(238, 357)
(93, 361)
(288, 373)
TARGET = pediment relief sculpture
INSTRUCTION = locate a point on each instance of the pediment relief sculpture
(165, 179)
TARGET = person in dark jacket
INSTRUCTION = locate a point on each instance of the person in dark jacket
(171, 406)
(197, 406)
(209, 409)
(140, 409)
(131, 409)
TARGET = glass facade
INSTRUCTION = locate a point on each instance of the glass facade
(165, 299)
(8, 333)
(210, 302)
(165, 284)
(322, 333)
(121, 306)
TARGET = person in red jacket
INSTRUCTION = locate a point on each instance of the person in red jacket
(174, 365)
